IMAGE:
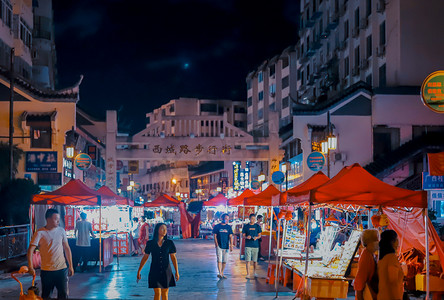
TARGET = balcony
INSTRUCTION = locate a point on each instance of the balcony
(316, 15)
(363, 23)
(380, 51)
(333, 21)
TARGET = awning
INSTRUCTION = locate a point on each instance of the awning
(301, 193)
(239, 200)
(269, 197)
(119, 200)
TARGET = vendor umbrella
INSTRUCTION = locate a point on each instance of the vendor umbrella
(163, 200)
(218, 200)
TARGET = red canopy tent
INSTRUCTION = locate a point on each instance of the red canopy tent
(265, 198)
(163, 200)
(239, 200)
(354, 185)
(411, 231)
(75, 192)
(301, 193)
(119, 200)
(218, 200)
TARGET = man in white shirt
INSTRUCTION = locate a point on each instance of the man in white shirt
(54, 248)
(83, 242)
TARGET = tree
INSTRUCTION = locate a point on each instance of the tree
(15, 200)
(4, 161)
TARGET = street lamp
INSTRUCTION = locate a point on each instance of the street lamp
(261, 177)
(174, 181)
(70, 152)
(132, 183)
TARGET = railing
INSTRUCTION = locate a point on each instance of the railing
(14, 241)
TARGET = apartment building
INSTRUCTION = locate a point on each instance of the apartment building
(272, 87)
(383, 43)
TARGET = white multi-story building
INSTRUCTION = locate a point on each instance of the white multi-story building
(189, 118)
(383, 43)
(272, 87)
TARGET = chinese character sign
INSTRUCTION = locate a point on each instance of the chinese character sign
(41, 161)
(236, 175)
(241, 177)
(432, 91)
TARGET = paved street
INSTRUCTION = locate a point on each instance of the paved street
(197, 264)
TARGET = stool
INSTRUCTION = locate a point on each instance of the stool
(271, 271)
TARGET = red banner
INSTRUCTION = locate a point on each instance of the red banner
(436, 164)
(70, 218)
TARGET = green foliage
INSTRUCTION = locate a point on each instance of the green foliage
(15, 199)
(4, 161)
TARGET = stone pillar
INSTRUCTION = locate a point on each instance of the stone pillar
(275, 154)
(111, 134)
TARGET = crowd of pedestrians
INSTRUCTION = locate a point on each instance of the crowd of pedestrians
(377, 278)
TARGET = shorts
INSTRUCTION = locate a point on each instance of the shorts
(251, 254)
(222, 255)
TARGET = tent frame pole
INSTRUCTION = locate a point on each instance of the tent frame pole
(100, 234)
(276, 274)
(307, 249)
(271, 235)
(426, 217)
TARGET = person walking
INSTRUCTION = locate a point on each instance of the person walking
(223, 235)
(366, 280)
(82, 232)
(259, 222)
(251, 233)
(135, 229)
(390, 272)
(160, 277)
(54, 249)
(143, 233)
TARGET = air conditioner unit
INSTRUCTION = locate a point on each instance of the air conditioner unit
(340, 156)
(363, 23)
(355, 71)
(380, 51)
(380, 6)
(364, 64)
(355, 32)
(272, 95)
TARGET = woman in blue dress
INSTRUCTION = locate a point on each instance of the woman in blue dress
(161, 276)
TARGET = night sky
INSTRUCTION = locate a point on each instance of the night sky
(138, 55)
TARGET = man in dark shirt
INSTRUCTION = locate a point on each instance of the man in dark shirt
(223, 241)
(251, 233)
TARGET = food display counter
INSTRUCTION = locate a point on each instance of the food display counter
(327, 264)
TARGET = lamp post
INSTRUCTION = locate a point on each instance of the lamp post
(330, 144)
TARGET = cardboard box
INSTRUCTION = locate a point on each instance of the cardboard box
(327, 288)
(436, 283)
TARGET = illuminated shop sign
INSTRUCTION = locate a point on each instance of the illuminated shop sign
(432, 91)
(241, 177)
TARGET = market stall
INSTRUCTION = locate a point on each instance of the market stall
(117, 218)
(352, 187)
(212, 209)
(166, 211)
(76, 193)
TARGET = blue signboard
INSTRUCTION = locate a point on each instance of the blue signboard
(316, 161)
(278, 177)
(432, 182)
(41, 161)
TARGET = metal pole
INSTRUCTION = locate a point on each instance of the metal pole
(308, 247)
(328, 150)
(11, 116)
(426, 216)
(100, 234)
(240, 233)
(276, 274)
(284, 236)
(271, 235)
